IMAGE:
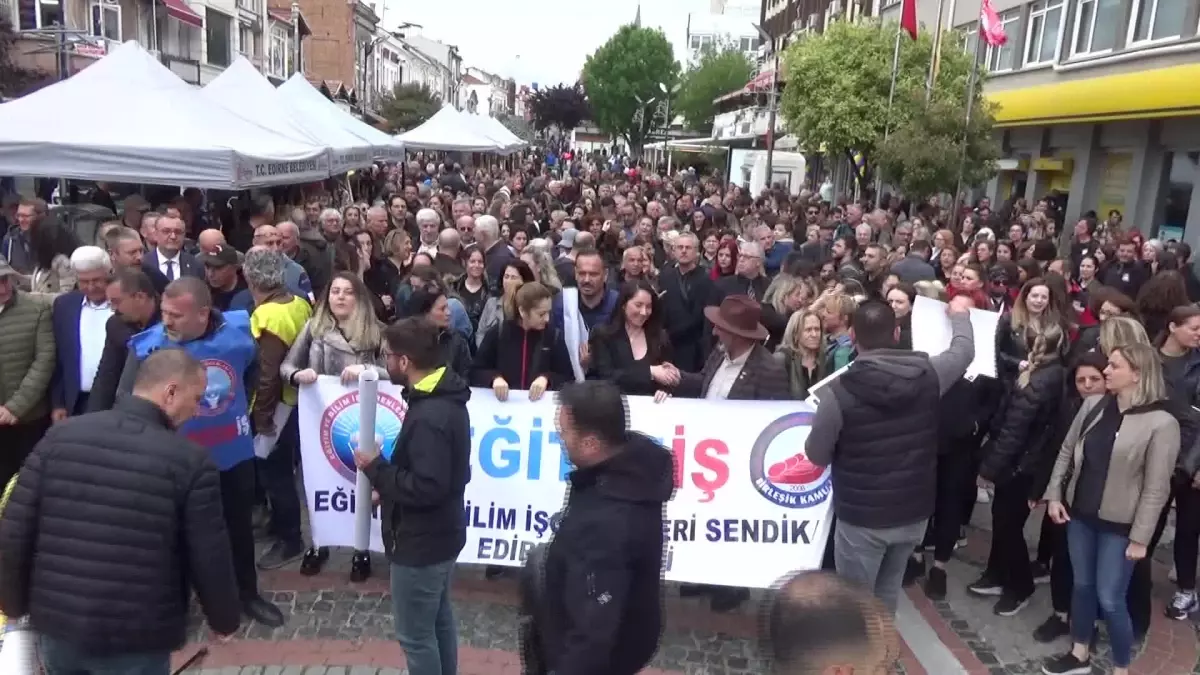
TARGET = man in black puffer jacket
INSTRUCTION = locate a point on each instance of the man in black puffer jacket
(602, 608)
(114, 521)
(879, 431)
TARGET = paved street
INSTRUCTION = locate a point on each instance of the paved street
(335, 628)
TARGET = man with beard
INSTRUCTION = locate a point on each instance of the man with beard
(421, 491)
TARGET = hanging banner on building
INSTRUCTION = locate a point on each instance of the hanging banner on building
(748, 506)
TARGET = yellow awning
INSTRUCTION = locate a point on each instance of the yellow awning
(1149, 94)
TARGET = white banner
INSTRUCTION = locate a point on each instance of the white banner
(748, 507)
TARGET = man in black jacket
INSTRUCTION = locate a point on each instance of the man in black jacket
(686, 291)
(878, 428)
(114, 521)
(421, 492)
(134, 299)
(602, 611)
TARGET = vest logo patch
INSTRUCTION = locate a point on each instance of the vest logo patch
(219, 391)
(781, 472)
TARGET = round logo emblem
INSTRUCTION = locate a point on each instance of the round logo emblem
(219, 392)
(339, 430)
(779, 469)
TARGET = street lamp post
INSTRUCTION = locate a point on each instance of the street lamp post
(773, 105)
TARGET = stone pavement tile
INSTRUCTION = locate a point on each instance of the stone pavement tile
(988, 643)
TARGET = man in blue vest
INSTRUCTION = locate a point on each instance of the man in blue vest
(222, 342)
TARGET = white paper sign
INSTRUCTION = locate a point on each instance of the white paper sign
(931, 333)
(748, 506)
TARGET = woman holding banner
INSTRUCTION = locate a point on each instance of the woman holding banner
(342, 338)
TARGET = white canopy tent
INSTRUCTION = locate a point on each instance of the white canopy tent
(241, 89)
(449, 130)
(301, 94)
(492, 128)
(127, 118)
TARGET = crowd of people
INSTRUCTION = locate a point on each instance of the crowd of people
(530, 279)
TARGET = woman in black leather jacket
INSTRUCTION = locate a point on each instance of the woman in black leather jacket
(1016, 454)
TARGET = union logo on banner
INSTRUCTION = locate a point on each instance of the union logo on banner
(339, 434)
(779, 469)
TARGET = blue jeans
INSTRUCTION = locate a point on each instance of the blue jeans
(1102, 575)
(63, 658)
(425, 619)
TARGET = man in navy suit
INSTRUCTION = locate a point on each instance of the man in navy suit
(78, 320)
(168, 256)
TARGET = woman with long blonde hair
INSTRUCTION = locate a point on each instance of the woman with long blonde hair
(543, 268)
(802, 351)
(342, 338)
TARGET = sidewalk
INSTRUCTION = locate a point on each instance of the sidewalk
(336, 628)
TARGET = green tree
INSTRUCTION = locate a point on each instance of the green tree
(519, 126)
(924, 154)
(715, 74)
(407, 106)
(15, 80)
(836, 98)
(625, 77)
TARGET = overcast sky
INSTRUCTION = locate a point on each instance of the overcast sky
(543, 41)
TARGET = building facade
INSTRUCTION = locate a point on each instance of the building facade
(196, 40)
(488, 94)
(336, 51)
(434, 64)
(174, 30)
(729, 24)
(1097, 101)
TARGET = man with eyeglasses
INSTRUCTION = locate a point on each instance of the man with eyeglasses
(168, 256)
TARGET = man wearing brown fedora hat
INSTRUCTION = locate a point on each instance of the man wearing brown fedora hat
(740, 369)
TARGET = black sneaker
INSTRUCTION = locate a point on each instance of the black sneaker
(314, 560)
(935, 584)
(1009, 605)
(915, 569)
(985, 585)
(280, 554)
(1051, 629)
(1041, 572)
(1066, 664)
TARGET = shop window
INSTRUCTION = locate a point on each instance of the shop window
(218, 37)
(1044, 32)
(106, 21)
(1156, 20)
(1183, 172)
(36, 14)
(1097, 24)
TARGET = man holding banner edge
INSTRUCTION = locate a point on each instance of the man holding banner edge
(884, 457)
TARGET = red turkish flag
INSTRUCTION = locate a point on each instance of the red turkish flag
(908, 17)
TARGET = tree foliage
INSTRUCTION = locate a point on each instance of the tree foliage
(559, 106)
(624, 77)
(836, 98)
(519, 126)
(715, 74)
(15, 80)
(407, 106)
(923, 155)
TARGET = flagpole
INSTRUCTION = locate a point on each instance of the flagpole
(887, 125)
(935, 58)
(972, 84)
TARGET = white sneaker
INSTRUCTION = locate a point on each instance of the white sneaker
(982, 496)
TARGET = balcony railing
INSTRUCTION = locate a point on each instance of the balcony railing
(187, 69)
